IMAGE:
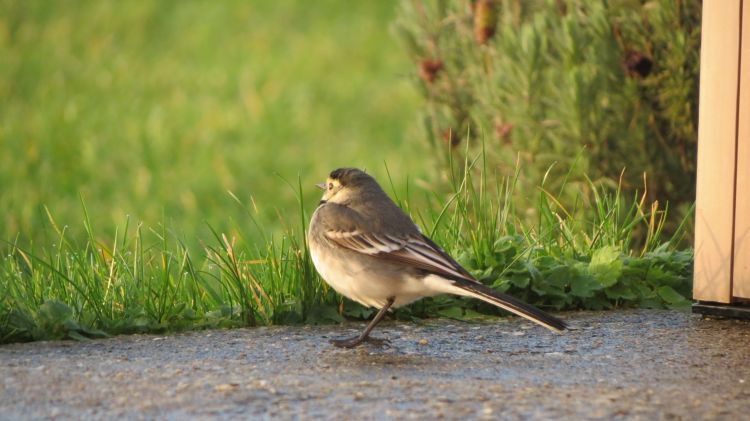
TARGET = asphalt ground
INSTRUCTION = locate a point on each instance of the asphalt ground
(636, 364)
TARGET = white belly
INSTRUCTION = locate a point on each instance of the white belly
(365, 281)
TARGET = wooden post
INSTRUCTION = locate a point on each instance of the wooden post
(722, 214)
(741, 275)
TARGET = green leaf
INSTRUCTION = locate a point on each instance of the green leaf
(323, 314)
(55, 312)
(520, 280)
(501, 284)
(669, 295)
(466, 260)
(621, 292)
(584, 286)
(356, 310)
(606, 265)
(536, 275)
(560, 276)
(470, 314)
(454, 312)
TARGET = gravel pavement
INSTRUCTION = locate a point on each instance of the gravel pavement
(639, 364)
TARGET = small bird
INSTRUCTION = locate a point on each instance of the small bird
(367, 249)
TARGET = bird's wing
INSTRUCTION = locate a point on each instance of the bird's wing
(413, 249)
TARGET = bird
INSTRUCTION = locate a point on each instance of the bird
(369, 250)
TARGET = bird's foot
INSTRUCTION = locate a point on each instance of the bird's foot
(357, 340)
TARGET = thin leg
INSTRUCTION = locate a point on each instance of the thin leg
(352, 342)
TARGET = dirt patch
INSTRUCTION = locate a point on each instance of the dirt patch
(622, 364)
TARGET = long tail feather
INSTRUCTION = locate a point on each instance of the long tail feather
(509, 303)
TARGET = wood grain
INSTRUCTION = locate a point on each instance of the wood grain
(741, 276)
(717, 135)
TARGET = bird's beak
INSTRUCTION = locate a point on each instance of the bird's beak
(321, 186)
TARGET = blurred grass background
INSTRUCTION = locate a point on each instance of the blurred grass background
(157, 109)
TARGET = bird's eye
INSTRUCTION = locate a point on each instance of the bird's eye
(330, 186)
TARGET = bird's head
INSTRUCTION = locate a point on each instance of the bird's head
(344, 184)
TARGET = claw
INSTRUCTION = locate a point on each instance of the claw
(365, 336)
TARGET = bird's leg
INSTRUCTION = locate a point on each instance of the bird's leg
(352, 342)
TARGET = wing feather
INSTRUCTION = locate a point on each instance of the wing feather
(416, 250)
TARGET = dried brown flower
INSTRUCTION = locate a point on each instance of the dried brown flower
(503, 132)
(451, 137)
(429, 69)
(637, 63)
(485, 20)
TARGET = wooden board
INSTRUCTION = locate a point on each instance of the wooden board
(741, 278)
(717, 135)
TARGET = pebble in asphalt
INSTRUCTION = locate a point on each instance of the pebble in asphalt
(647, 364)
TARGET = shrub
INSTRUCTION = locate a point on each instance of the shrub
(599, 86)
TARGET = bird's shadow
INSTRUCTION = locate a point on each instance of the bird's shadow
(366, 360)
(391, 352)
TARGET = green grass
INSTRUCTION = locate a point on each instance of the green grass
(157, 110)
(147, 280)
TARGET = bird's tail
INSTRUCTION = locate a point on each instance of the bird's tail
(505, 301)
